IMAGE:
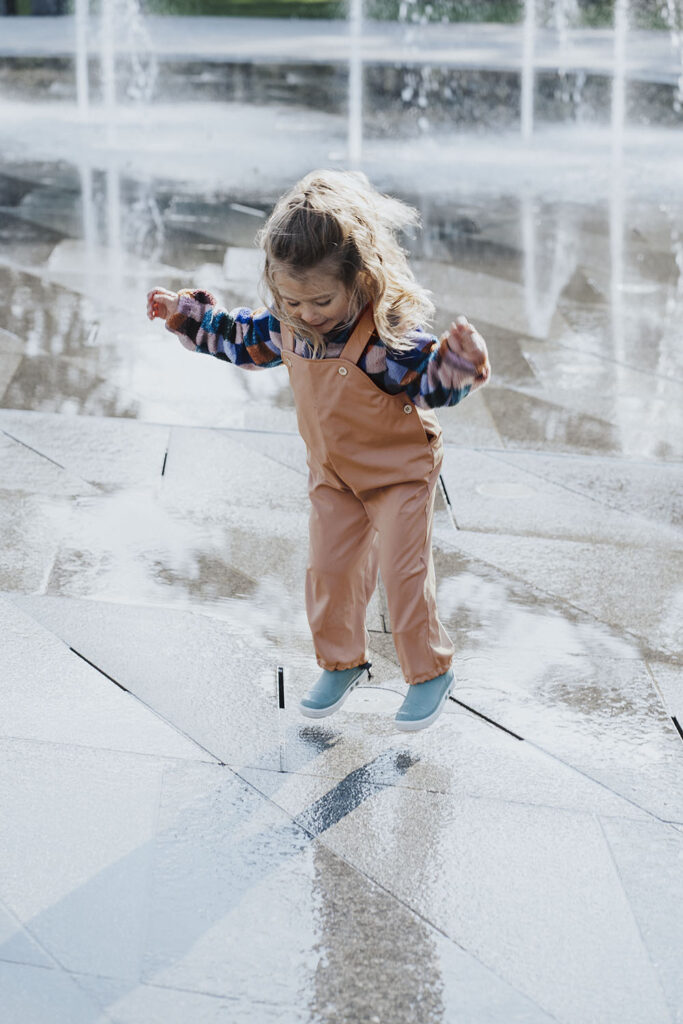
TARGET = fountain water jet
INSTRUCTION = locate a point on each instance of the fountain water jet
(356, 83)
(528, 77)
(673, 14)
(81, 22)
(617, 182)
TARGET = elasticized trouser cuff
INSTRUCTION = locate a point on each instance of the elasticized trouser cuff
(424, 679)
(341, 666)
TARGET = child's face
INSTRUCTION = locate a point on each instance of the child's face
(318, 298)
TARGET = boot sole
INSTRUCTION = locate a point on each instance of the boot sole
(422, 723)
(324, 712)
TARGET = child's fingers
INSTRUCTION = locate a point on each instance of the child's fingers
(464, 339)
(468, 335)
(157, 309)
(160, 295)
(152, 302)
(477, 340)
(160, 302)
(463, 328)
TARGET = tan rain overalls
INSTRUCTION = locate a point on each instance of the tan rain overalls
(374, 461)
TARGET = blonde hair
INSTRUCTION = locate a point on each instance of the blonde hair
(337, 222)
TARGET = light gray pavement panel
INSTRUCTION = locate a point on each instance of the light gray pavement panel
(177, 847)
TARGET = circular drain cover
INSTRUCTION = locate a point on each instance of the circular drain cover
(371, 699)
(503, 490)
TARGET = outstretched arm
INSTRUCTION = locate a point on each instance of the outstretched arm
(250, 339)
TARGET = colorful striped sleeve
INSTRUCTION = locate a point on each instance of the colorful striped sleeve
(247, 338)
(430, 373)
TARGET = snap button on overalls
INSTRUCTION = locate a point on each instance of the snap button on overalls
(374, 462)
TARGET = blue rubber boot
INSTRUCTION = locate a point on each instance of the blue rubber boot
(424, 702)
(331, 690)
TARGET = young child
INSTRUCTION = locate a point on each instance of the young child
(346, 317)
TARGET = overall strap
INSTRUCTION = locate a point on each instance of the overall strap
(355, 346)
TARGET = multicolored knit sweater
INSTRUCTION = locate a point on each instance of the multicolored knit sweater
(429, 373)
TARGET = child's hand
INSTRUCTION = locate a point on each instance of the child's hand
(162, 303)
(465, 341)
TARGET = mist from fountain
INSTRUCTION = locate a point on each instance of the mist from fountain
(119, 23)
(673, 15)
(81, 26)
(528, 77)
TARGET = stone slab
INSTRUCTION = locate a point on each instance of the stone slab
(10, 343)
(531, 892)
(490, 613)
(560, 678)
(490, 494)
(29, 525)
(287, 448)
(482, 296)
(77, 869)
(149, 545)
(246, 477)
(143, 1003)
(53, 696)
(529, 422)
(668, 678)
(470, 423)
(26, 470)
(270, 870)
(109, 451)
(649, 859)
(642, 406)
(9, 364)
(213, 681)
(153, 902)
(462, 755)
(603, 717)
(634, 590)
(194, 686)
(33, 995)
(223, 855)
(17, 945)
(60, 385)
(646, 487)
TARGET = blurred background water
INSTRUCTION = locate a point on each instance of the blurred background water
(541, 141)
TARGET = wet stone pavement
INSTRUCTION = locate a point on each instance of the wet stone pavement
(177, 847)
